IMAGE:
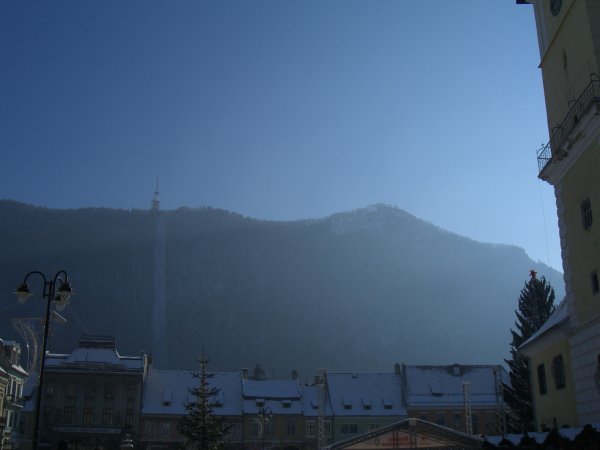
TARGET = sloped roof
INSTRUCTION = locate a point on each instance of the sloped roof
(310, 402)
(397, 435)
(275, 389)
(95, 357)
(560, 315)
(365, 394)
(280, 396)
(166, 391)
(443, 385)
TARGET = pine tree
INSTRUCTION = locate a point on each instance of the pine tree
(201, 427)
(536, 304)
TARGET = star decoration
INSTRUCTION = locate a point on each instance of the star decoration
(532, 273)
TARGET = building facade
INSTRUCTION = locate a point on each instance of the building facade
(91, 398)
(12, 381)
(165, 395)
(569, 50)
(552, 383)
(466, 398)
(337, 406)
(363, 402)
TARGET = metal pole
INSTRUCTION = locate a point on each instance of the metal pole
(50, 285)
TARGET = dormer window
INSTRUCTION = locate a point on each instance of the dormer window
(367, 403)
(286, 403)
(436, 388)
(167, 397)
(387, 403)
(347, 403)
(260, 402)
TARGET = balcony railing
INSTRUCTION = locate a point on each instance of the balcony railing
(561, 133)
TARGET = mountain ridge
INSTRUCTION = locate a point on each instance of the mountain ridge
(355, 290)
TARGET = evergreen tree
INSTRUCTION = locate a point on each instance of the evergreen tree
(201, 427)
(258, 374)
(536, 304)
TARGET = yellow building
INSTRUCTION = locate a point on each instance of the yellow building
(552, 382)
(569, 41)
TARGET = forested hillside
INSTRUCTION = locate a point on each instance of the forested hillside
(353, 291)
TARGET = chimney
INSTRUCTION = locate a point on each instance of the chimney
(244, 373)
(294, 374)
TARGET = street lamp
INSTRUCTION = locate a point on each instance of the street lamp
(60, 297)
(265, 414)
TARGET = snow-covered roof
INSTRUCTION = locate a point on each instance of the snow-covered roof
(443, 385)
(365, 394)
(280, 396)
(166, 391)
(310, 402)
(272, 389)
(559, 316)
(95, 357)
(540, 437)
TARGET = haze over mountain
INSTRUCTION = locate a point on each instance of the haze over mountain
(353, 291)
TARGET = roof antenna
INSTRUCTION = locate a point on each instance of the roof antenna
(155, 205)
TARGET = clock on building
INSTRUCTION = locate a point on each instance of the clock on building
(555, 6)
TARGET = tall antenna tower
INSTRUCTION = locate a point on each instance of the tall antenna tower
(500, 411)
(321, 432)
(467, 399)
(155, 205)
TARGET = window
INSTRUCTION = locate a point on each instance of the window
(327, 428)
(109, 392)
(129, 417)
(234, 432)
(439, 419)
(424, 417)
(131, 392)
(47, 414)
(373, 426)
(541, 373)
(90, 390)
(88, 416)
(255, 428)
(586, 213)
(69, 414)
(349, 428)
(165, 429)
(291, 427)
(71, 390)
(594, 280)
(49, 389)
(558, 372)
(475, 423)
(457, 422)
(147, 429)
(311, 429)
(107, 416)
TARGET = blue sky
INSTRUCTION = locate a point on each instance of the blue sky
(281, 109)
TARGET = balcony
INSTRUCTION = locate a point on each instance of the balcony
(14, 401)
(556, 149)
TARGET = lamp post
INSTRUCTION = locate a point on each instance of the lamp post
(60, 297)
(265, 414)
